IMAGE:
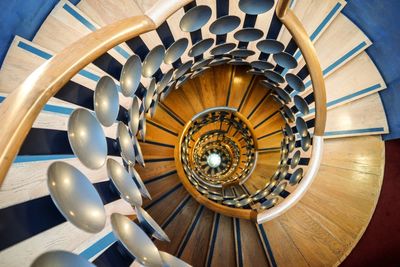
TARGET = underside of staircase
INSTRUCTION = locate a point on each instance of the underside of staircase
(323, 227)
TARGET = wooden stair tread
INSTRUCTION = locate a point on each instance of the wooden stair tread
(224, 248)
(153, 169)
(199, 238)
(182, 222)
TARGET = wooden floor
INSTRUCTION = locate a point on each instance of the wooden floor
(329, 221)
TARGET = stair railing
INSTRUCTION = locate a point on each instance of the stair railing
(21, 108)
(303, 41)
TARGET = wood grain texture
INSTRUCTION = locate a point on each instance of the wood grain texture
(160, 187)
(224, 249)
(195, 251)
(240, 82)
(283, 248)
(154, 151)
(327, 223)
(163, 118)
(356, 79)
(154, 169)
(252, 248)
(162, 210)
(364, 113)
(107, 12)
(267, 164)
(156, 134)
(178, 227)
(257, 93)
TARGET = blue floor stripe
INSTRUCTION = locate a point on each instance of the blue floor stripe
(34, 50)
(78, 16)
(239, 243)
(350, 96)
(345, 57)
(91, 27)
(268, 245)
(47, 56)
(214, 237)
(34, 158)
(319, 29)
(100, 245)
(356, 131)
(191, 229)
(337, 63)
(52, 108)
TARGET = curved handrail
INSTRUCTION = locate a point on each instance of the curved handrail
(299, 34)
(20, 109)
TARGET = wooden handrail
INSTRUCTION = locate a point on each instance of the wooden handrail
(20, 109)
(303, 41)
(299, 34)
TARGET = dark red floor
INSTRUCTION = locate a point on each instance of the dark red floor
(380, 244)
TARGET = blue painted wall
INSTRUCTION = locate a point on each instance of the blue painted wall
(23, 18)
(380, 21)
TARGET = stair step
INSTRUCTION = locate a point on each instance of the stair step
(158, 188)
(155, 169)
(364, 116)
(162, 212)
(356, 79)
(341, 42)
(316, 16)
(282, 245)
(352, 119)
(182, 221)
(26, 179)
(108, 11)
(74, 239)
(222, 251)
(74, 24)
(23, 57)
(197, 239)
(318, 234)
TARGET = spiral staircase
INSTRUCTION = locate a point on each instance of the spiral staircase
(253, 151)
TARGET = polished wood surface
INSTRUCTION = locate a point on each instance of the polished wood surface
(160, 187)
(182, 221)
(348, 185)
(155, 151)
(159, 135)
(160, 212)
(195, 250)
(224, 248)
(105, 12)
(252, 248)
(153, 169)
(267, 165)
